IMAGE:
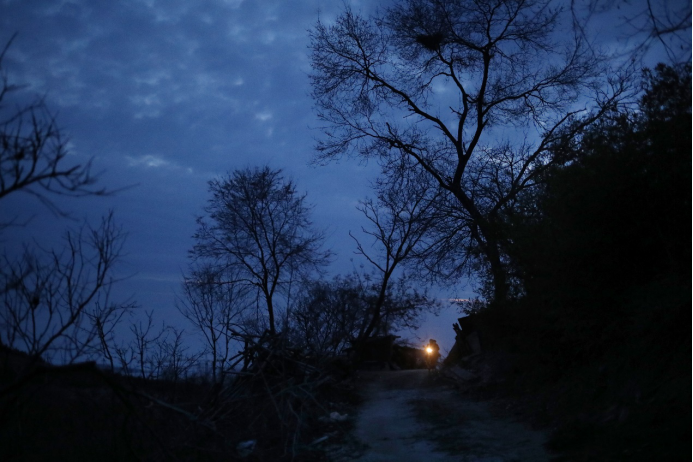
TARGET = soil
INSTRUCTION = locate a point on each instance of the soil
(416, 415)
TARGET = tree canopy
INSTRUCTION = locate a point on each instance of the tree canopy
(258, 229)
(475, 93)
(611, 227)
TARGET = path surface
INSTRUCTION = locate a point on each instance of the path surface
(410, 416)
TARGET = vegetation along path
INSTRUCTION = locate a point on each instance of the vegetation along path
(413, 415)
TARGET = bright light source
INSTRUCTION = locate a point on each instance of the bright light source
(429, 350)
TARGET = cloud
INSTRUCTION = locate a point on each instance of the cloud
(148, 161)
(147, 105)
(263, 116)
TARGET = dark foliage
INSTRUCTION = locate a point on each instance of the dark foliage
(602, 256)
(613, 220)
(430, 41)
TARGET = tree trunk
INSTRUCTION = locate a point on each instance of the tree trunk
(375, 320)
(500, 278)
(270, 313)
(483, 232)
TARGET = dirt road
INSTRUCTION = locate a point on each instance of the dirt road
(414, 416)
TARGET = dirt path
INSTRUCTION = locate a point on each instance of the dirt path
(410, 416)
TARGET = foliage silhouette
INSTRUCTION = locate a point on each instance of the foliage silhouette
(474, 94)
(258, 225)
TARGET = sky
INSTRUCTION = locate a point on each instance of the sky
(166, 95)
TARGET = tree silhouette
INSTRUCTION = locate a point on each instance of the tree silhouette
(475, 93)
(258, 229)
(400, 218)
(55, 303)
(217, 309)
(33, 154)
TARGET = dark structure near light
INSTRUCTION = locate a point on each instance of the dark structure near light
(430, 41)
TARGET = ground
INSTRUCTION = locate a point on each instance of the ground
(416, 415)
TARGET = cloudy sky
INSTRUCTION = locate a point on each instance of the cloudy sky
(165, 95)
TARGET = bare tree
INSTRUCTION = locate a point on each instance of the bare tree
(643, 26)
(217, 309)
(401, 217)
(474, 92)
(173, 356)
(155, 353)
(327, 315)
(258, 228)
(670, 26)
(135, 356)
(56, 303)
(33, 154)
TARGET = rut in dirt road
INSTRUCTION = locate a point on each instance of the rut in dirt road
(411, 416)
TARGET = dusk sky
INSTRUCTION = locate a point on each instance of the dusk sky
(165, 95)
